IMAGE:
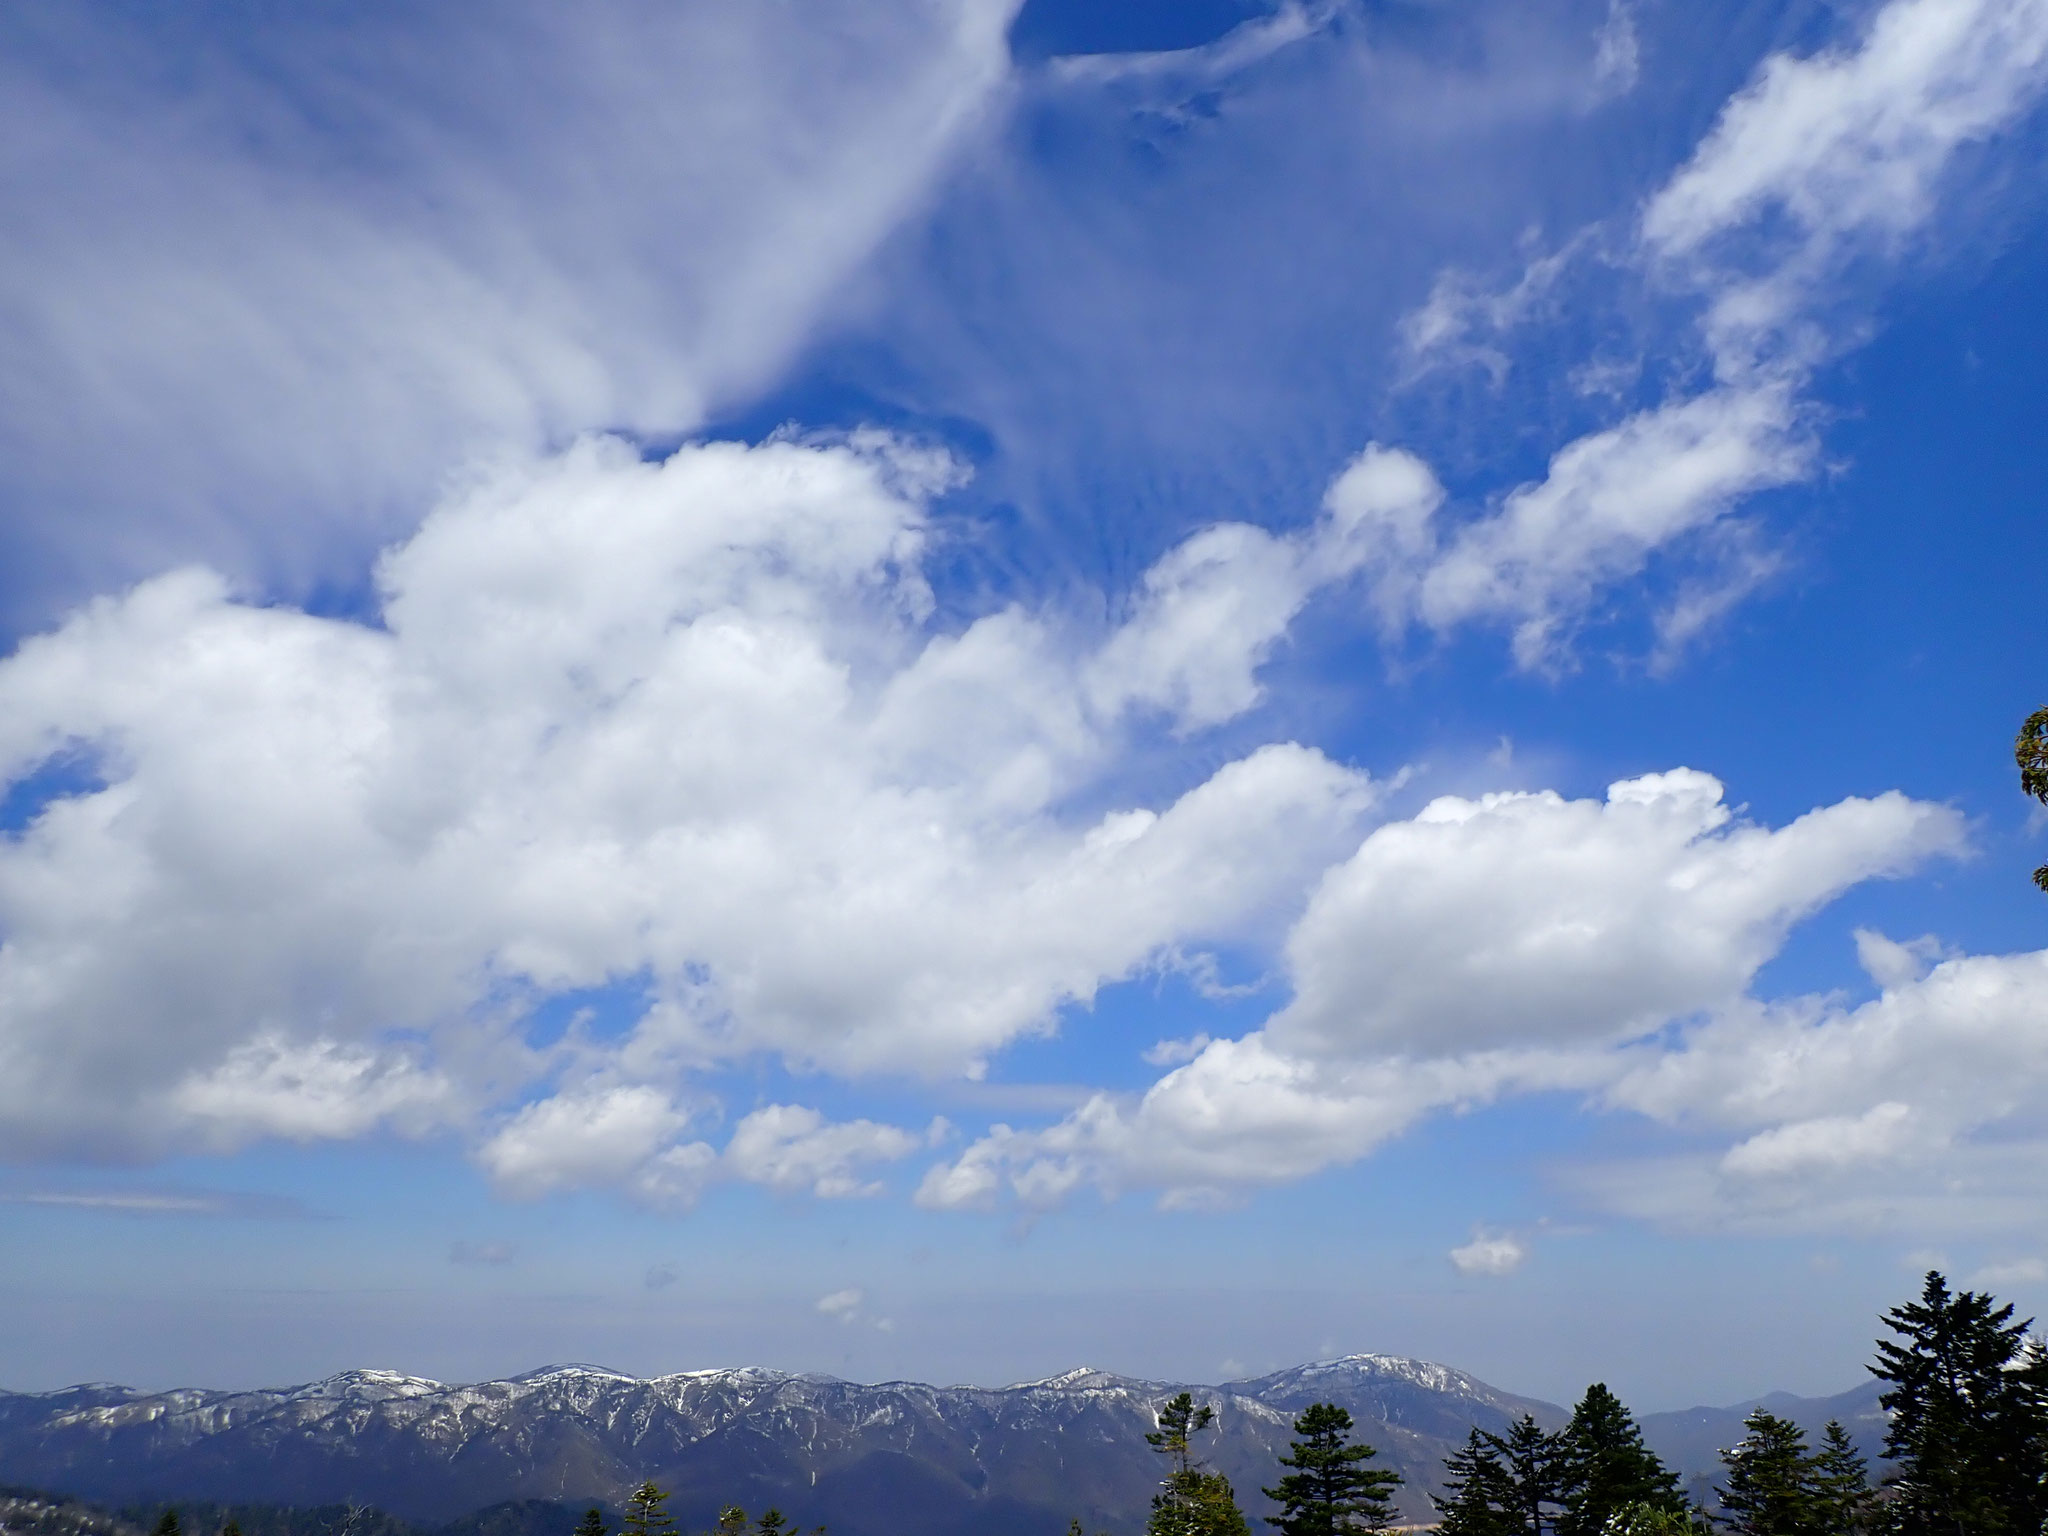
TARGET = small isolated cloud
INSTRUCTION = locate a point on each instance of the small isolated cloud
(1172, 1053)
(661, 1276)
(1490, 1253)
(844, 1305)
(2015, 1272)
(493, 1254)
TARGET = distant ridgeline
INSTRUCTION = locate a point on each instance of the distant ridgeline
(529, 1456)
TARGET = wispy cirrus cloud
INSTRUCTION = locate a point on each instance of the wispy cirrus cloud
(1819, 161)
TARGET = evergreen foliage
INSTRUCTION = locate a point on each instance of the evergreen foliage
(646, 1513)
(1482, 1496)
(732, 1521)
(1536, 1469)
(1841, 1485)
(1968, 1428)
(1190, 1501)
(168, 1524)
(592, 1524)
(1650, 1520)
(1505, 1485)
(1605, 1467)
(1331, 1490)
(1771, 1481)
(232, 1528)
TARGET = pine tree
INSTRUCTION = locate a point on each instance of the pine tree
(1967, 1417)
(1770, 1489)
(1482, 1495)
(1843, 1502)
(1331, 1490)
(732, 1521)
(232, 1528)
(1604, 1467)
(168, 1524)
(592, 1524)
(772, 1524)
(1190, 1501)
(646, 1513)
(1534, 1463)
(1650, 1520)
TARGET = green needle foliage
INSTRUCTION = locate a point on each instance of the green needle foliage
(168, 1525)
(1651, 1520)
(1969, 1417)
(1506, 1485)
(1190, 1501)
(1331, 1490)
(647, 1513)
(1841, 1485)
(732, 1521)
(592, 1524)
(1482, 1493)
(1605, 1467)
(1770, 1489)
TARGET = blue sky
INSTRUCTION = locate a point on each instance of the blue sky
(933, 692)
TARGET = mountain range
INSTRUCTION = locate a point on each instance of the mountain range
(900, 1458)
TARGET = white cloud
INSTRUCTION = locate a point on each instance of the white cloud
(1921, 1103)
(680, 721)
(1849, 145)
(1853, 139)
(1490, 1253)
(2013, 1272)
(572, 1141)
(790, 1148)
(1171, 1053)
(1213, 608)
(322, 276)
(315, 1090)
(1518, 919)
(844, 1305)
(1517, 943)
(1824, 1144)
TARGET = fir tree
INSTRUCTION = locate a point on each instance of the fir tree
(1650, 1520)
(1843, 1503)
(1196, 1503)
(1190, 1502)
(168, 1524)
(1535, 1465)
(1604, 1467)
(1481, 1498)
(1770, 1489)
(592, 1524)
(772, 1524)
(232, 1528)
(646, 1513)
(732, 1521)
(1331, 1490)
(1966, 1426)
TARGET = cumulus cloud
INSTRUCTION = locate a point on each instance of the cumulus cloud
(684, 721)
(1515, 943)
(1490, 1253)
(790, 1148)
(1921, 1102)
(1816, 160)
(1515, 918)
(570, 1141)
